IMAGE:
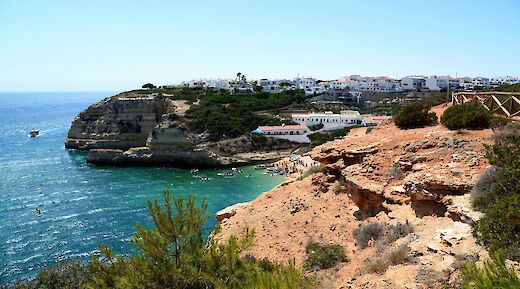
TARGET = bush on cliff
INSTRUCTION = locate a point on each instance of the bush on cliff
(493, 274)
(174, 254)
(323, 256)
(468, 116)
(369, 232)
(500, 226)
(414, 116)
(225, 115)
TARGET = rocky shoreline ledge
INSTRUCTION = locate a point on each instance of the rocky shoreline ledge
(136, 129)
(418, 179)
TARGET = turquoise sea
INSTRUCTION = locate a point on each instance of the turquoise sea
(82, 205)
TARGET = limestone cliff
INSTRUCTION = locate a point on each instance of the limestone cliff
(139, 129)
(420, 178)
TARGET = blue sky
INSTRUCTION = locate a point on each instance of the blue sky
(115, 45)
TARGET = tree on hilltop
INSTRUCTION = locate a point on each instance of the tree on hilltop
(148, 86)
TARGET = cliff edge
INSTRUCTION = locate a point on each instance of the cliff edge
(414, 183)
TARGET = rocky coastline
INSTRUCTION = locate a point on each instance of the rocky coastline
(418, 179)
(137, 129)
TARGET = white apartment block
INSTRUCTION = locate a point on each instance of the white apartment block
(275, 86)
(413, 82)
(504, 80)
(329, 120)
(241, 88)
(436, 82)
(294, 133)
(367, 83)
(206, 83)
(481, 82)
(304, 82)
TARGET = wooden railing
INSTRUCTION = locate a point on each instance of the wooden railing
(501, 103)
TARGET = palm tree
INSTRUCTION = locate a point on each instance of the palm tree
(239, 76)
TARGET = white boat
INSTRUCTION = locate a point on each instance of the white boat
(225, 174)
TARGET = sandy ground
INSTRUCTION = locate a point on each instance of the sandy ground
(181, 106)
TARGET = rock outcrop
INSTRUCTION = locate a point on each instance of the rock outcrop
(418, 177)
(139, 129)
(118, 122)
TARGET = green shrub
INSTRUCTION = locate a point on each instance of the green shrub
(316, 127)
(414, 116)
(396, 232)
(499, 228)
(502, 183)
(482, 191)
(469, 116)
(379, 264)
(323, 256)
(68, 274)
(493, 274)
(313, 170)
(371, 231)
(506, 149)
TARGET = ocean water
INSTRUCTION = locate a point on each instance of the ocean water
(82, 205)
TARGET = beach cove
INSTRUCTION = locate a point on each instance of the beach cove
(83, 205)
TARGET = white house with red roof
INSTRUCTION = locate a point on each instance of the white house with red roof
(294, 133)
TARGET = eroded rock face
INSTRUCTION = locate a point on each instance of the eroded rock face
(436, 185)
(135, 129)
(329, 155)
(366, 194)
(119, 122)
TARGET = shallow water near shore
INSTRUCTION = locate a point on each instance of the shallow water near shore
(83, 205)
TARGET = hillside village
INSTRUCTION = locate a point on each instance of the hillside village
(354, 83)
(349, 92)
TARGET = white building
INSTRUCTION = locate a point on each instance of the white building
(414, 82)
(504, 80)
(329, 120)
(241, 87)
(274, 86)
(436, 82)
(367, 83)
(317, 89)
(217, 84)
(206, 83)
(481, 82)
(295, 133)
(304, 82)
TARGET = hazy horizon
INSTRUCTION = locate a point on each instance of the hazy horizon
(119, 45)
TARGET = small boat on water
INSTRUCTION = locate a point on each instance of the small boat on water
(260, 167)
(225, 174)
(194, 171)
(238, 171)
(34, 133)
